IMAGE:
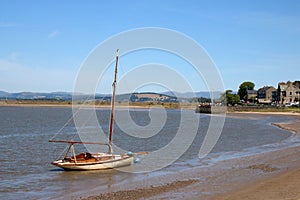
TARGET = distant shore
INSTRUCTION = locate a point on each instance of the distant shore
(58, 103)
(141, 105)
(266, 176)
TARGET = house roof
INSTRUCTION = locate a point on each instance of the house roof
(251, 91)
(265, 88)
(282, 86)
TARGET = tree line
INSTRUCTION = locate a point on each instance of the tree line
(231, 99)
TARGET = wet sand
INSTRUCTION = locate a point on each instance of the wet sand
(142, 193)
(270, 175)
(283, 186)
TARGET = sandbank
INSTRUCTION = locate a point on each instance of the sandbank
(268, 175)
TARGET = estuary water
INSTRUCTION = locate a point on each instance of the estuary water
(26, 155)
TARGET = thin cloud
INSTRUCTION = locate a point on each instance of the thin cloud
(15, 76)
(7, 24)
(9, 66)
(13, 56)
(53, 34)
(270, 20)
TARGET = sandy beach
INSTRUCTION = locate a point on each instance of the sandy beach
(269, 175)
(282, 186)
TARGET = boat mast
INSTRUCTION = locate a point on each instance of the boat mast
(113, 104)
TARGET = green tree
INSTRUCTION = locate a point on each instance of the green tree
(230, 99)
(296, 83)
(242, 92)
(203, 100)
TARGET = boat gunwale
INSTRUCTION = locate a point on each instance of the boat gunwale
(62, 164)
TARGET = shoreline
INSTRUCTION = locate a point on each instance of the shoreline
(250, 178)
(139, 106)
(106, 106)
(287, 113)
(263, 176)
(283, 185)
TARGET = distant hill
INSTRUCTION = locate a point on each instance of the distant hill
(135, 97)
(188, 95)
(36, 95)
(152, 96)
(142, 97)
(3, 94)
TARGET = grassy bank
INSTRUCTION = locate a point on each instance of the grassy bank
(262, 109)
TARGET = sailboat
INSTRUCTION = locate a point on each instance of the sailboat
(95, 161)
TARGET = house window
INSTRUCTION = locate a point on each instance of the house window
(291, 93)
(284, 93)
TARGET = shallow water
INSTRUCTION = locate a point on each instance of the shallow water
(26, 154)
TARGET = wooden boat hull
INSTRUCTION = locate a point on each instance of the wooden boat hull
(117, 161)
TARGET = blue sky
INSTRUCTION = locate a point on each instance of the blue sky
(43, 43)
